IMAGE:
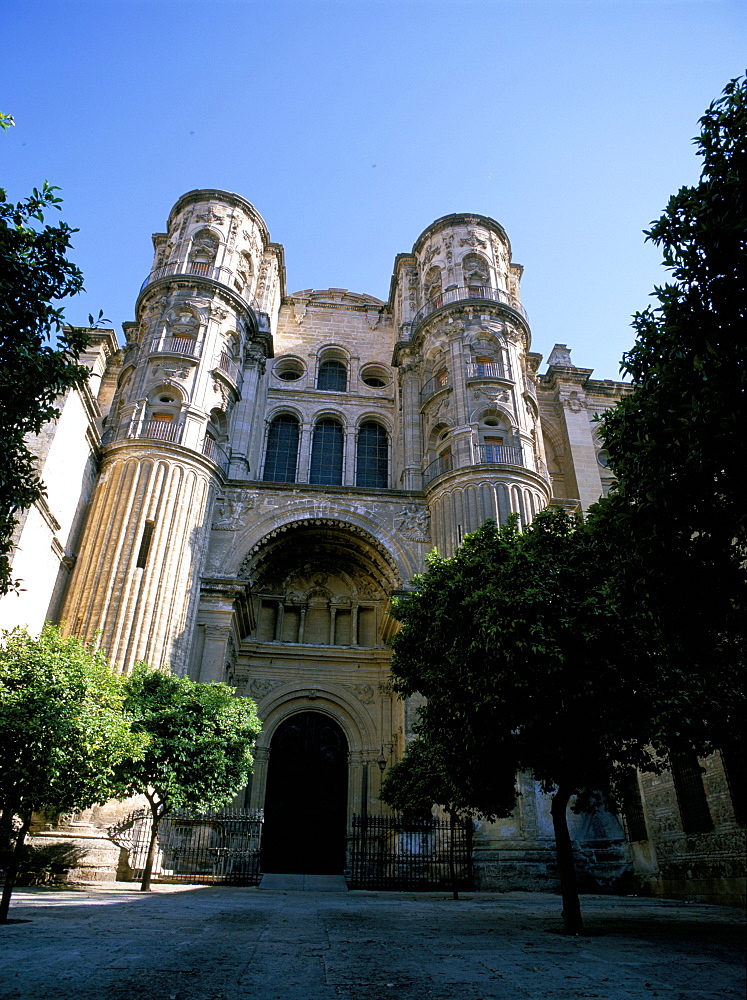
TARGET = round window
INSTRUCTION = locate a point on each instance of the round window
(376, 376)
(289, 369)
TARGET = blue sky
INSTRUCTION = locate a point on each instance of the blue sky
(353, 124)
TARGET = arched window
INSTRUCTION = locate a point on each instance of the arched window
(333, 376)
(373, 456)
(282, 450)
(326, 454)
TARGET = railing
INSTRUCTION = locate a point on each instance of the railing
(464, 294)
(489, 369)
(175, 345)
(161, 430)
(196, 268)
(440, 381)
(212, 450)
(440, 465)
(230, 368)
(393, 853)
(219, 847)
(499, 454)
(482, 454)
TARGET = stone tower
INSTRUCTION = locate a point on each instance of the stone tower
(469, 435)
(190, 370)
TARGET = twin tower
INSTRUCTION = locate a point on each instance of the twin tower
(274, 466)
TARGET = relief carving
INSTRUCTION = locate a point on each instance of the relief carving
(211, 215)
(372, 315)
(472, 240)
(573, 402)
(170, 372)
(299, 310)
(429, 253)
(260, 688)
(413, 522)
(231, 509)
(363, 692)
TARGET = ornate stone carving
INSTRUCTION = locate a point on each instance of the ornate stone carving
(261, 688)
(363, 692)
(472, 240)
(413, 522)
(492, 395)
(231, 509)
(254, 356)
(299, 310)
(211, 215)
(217, 311)
(372, 315)
(573, 402)
(429, 253)
(170, 371)
(220, 390)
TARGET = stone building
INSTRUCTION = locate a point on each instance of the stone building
(257, 472)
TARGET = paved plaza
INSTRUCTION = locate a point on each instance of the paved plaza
(195, 943)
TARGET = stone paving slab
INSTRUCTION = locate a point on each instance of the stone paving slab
(205, 943)
(304, 883)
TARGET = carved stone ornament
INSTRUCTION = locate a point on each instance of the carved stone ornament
(217, 311)
(413, 522)
(449, 241)
(429, 253)
(472, 240)
(260, 687)
(231, 509)
(299, 310)
(372, 315)
(170, 371)
(255, 356)
(221, 392)
(211, 215)
(573, 402)
(363, 692)
(492, 395)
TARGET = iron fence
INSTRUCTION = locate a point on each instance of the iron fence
(389, 852)
(212, 848)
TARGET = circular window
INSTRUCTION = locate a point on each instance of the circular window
(165, 399)
(289, 369)
(604, 459)
(491, 422)
(376, 376)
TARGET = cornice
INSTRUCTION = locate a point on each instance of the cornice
(228, 197)
(457, 219)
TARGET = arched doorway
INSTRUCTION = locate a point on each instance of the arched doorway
(306, 798)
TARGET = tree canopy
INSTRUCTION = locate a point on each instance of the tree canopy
(63, 729)
(526, 665)
(38, 354)
(200, 740)
(674, 529)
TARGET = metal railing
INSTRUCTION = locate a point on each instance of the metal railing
(229, 367)
(224, 275)
(489, 369)
(161, 430)
(464, 294)
(175, 345)
(442, 380)
(212, 450)
(389, 852)
(483, 454)
(218, 847)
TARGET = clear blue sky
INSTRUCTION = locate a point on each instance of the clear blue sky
(352, 125)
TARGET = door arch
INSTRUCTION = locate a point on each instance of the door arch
(306, 798)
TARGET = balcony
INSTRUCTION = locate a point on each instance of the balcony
(212, 450)
(440, 381)
(465, 294)
(230, 368)
(161, 430)
(490, 369)
(175, 345)
(482, 454)
(224, 275)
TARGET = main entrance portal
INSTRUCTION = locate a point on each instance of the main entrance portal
(306, 798)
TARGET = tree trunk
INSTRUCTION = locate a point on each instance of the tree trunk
(572, 922)
(11, 871)
(156, 813)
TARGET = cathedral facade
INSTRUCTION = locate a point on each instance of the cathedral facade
(244, 485)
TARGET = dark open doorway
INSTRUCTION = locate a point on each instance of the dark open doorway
(306, 798)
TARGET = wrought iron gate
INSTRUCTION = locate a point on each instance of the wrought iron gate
(220, 847)
(389, 852)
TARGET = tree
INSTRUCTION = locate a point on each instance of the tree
(526, 665)
(63, 731)
(38, 354)
(199, 751)
(674, 530)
